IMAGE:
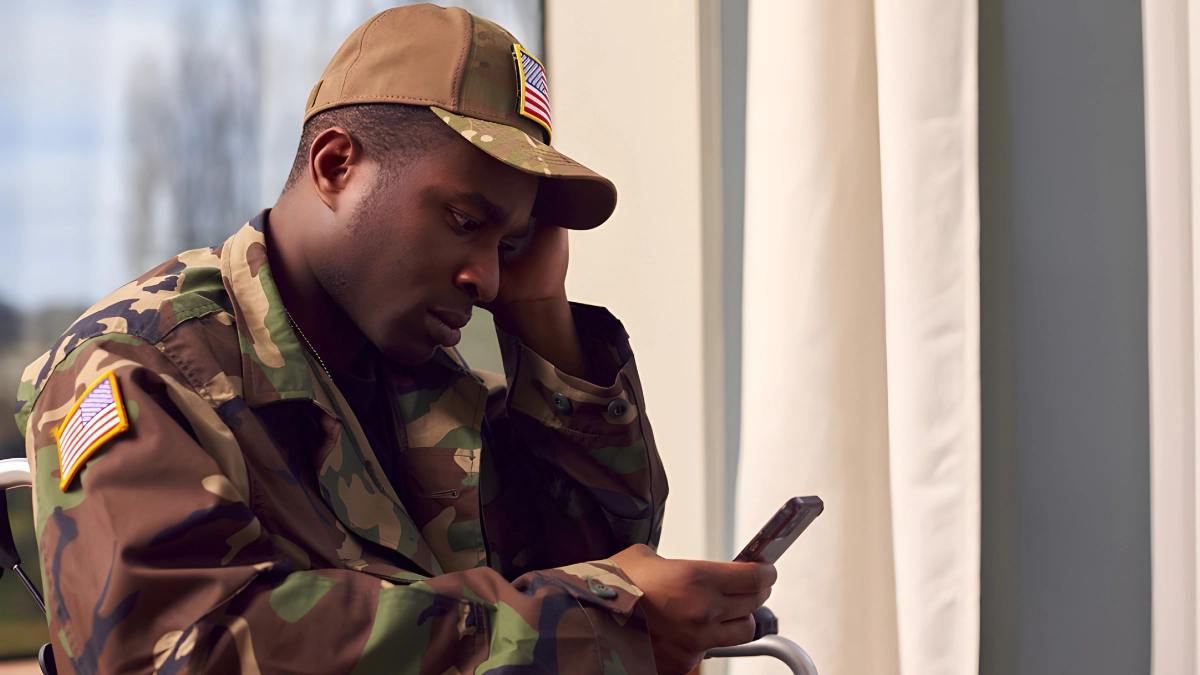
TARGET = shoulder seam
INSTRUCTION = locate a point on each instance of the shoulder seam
(27, 408)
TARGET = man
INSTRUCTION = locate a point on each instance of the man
(267, 457)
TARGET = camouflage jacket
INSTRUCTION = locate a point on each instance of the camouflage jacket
(243, 523)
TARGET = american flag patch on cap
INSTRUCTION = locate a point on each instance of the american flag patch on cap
(535, 96)
(96, 417)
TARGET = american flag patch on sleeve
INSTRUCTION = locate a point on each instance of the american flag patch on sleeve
(535, 96)
(96, 417)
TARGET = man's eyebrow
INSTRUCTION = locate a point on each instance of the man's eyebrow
(492, 211)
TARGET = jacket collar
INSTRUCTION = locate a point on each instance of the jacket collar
(274, 364)
(276, 367)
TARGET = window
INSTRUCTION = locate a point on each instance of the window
(136, 129)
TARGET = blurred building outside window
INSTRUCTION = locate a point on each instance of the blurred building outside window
(137, 129)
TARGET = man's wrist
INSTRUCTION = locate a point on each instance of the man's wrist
(526, 317)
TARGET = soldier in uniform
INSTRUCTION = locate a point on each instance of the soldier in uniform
(267, 457)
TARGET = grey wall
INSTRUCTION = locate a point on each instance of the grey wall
(734, 34)
(1066, 515)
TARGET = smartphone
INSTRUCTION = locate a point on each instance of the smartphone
(781, 530)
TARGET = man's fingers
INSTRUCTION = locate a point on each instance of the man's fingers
(733, 632)
(737, 606)
(742, 578)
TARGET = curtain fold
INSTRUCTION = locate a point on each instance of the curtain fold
(861, 328)
(1171, 59)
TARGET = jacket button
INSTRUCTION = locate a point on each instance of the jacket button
(561, 402)
(600, 590)
(618, 407)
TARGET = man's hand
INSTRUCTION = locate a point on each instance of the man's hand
(692, 606)
(536, 271)
(532, 300)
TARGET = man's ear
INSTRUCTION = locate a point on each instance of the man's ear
(333, 159)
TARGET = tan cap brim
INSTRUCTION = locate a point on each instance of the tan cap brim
(571, 195)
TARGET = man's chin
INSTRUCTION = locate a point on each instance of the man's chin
(409, 354)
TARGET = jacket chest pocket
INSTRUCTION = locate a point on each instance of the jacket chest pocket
(442, 495)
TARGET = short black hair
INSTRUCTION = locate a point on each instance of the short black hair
(390, 133)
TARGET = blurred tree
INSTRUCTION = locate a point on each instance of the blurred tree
(193, 129)
(10, 325)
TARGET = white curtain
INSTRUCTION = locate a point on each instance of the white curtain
(1171, 45)
(861, 344)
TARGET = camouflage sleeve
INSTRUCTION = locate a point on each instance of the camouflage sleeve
(585, 449)
(155, 561)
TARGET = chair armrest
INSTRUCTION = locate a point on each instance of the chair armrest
(771, 645)
(14, 473)
(765, 623)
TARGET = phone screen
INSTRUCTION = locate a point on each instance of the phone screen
(781, 530)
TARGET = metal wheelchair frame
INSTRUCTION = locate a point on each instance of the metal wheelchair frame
(766, 642)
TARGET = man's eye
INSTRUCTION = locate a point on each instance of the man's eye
(468, 225)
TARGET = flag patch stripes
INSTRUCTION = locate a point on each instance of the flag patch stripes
(96, 417)
(535, 95)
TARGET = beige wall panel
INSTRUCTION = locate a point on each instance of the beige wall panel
(625, 96)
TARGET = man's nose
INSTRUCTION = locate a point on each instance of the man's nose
(480, 279)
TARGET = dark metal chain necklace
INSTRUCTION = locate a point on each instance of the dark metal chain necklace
(305, 338)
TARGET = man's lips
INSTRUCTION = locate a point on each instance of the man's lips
(445, 324)
(451, 318)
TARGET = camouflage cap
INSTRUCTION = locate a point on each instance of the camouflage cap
(479, 80)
